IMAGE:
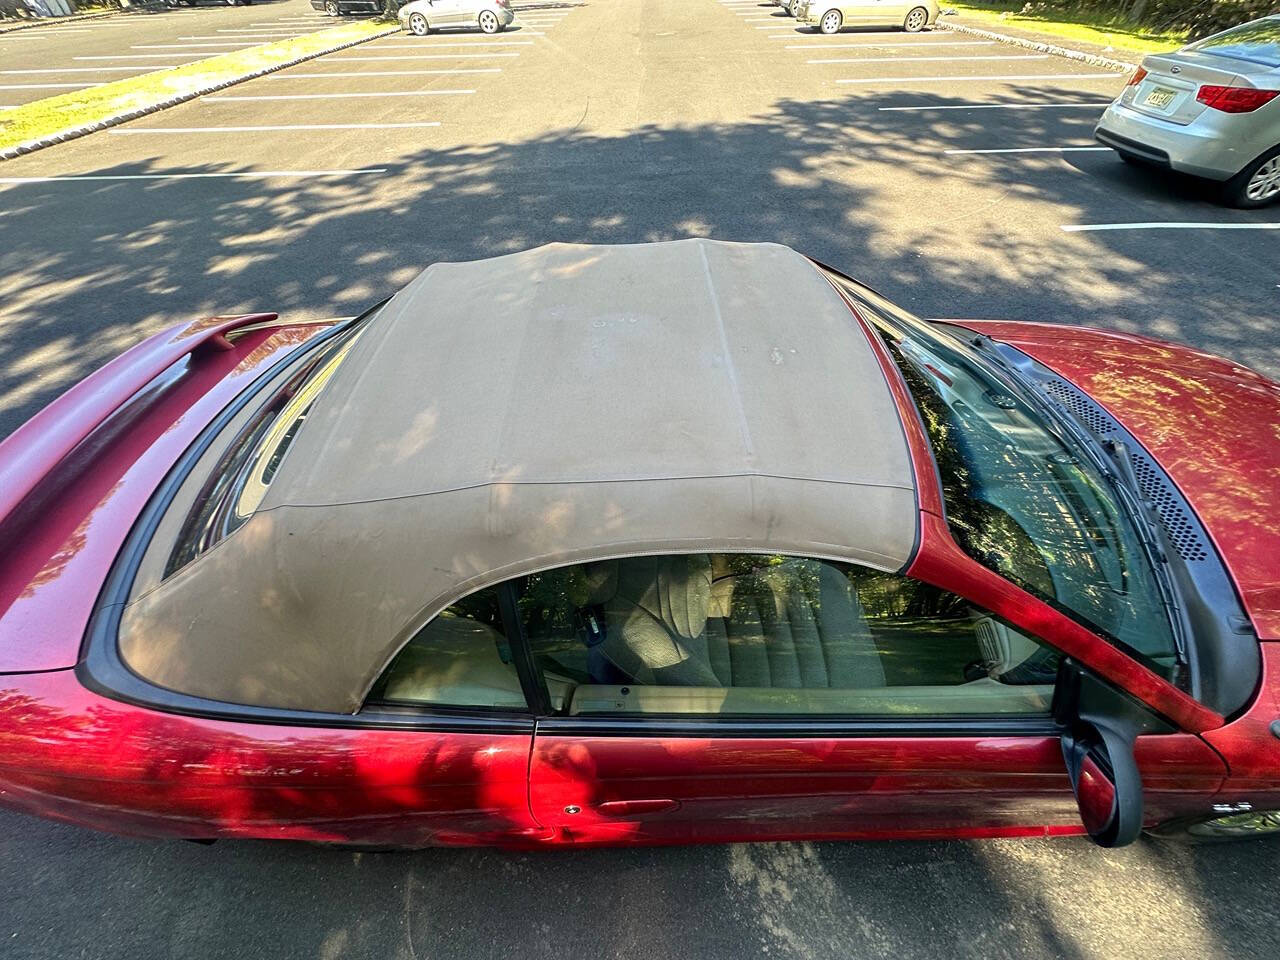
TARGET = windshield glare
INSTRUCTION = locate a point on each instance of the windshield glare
(1023, 503)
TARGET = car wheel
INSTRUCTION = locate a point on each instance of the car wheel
(331, 8)
(489, 22)
(916, 20)
(1257, 184)
(792, 6)
(831, 22)
(418, 25)
(1233, 826)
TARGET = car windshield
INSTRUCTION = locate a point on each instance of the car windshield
(1257, 42)
(1019, 499)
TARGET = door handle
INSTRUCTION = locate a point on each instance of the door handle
(631, 808)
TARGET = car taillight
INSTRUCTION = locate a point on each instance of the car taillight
(1137, 77)
(1234, 99)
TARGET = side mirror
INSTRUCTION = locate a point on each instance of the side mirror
(1104, 776)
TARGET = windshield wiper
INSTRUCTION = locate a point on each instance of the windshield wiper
(1116, 465)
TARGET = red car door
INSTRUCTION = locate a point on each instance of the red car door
(849, 704)
(666, 785)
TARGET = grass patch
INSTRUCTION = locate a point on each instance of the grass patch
(53, 115)
(1079, 25)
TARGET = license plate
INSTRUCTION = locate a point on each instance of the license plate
(1159, 97)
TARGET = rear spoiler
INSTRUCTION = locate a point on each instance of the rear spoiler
(31, 452)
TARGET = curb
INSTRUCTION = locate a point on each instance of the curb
(54, 21)
(1090, 58)
(30, 146)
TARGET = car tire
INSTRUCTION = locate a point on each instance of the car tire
(792, 6)
(831, 22)
(1257, 185)
(489, 22)
(1224, 829)
(331, 8)
(916, 20)
(418, 25)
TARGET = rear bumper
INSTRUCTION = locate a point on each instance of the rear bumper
(1207, 147)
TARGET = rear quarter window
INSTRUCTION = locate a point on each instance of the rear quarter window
(1257, 42)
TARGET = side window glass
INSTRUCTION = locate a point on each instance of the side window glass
(460, 659)
(745, 634)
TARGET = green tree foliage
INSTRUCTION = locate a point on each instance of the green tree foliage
(1199, 17)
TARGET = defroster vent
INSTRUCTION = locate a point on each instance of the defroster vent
(1184, 533)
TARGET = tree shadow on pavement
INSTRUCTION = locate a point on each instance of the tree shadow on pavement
(90, 267)
(109, 897)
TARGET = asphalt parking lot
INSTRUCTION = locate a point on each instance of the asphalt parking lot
(956, 175)
(58, 58)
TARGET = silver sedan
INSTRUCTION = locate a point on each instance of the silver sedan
(1211, 109)
(422, 16)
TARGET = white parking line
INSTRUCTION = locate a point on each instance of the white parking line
(909, 39)
(426, 56)
(239, 175)
(47, 86)
(1017, 76)
(1002, 106)
(465, 38)
(255, 37)
(48, 30)
(1016, 56)
(1032, 150)
(344, 96)
(140, 56)
(382, 73)
(872, 46)
(464, 43)
(183, 47)
(1160, 225)
(136, 68)
(123, 131)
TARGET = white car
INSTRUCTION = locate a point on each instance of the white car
(422, 16)
(831, 16)
(1211, 110)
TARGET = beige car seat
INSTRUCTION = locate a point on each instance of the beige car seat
(713, 622)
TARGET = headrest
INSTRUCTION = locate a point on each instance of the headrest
(600, 581)
(684, 593)
(673, 589)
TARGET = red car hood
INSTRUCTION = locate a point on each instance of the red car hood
(1212, 424)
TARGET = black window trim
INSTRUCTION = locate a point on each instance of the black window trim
(775, 726)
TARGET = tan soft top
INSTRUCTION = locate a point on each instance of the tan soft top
(547, 407)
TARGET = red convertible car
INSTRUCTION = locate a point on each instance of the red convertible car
(677, 542)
